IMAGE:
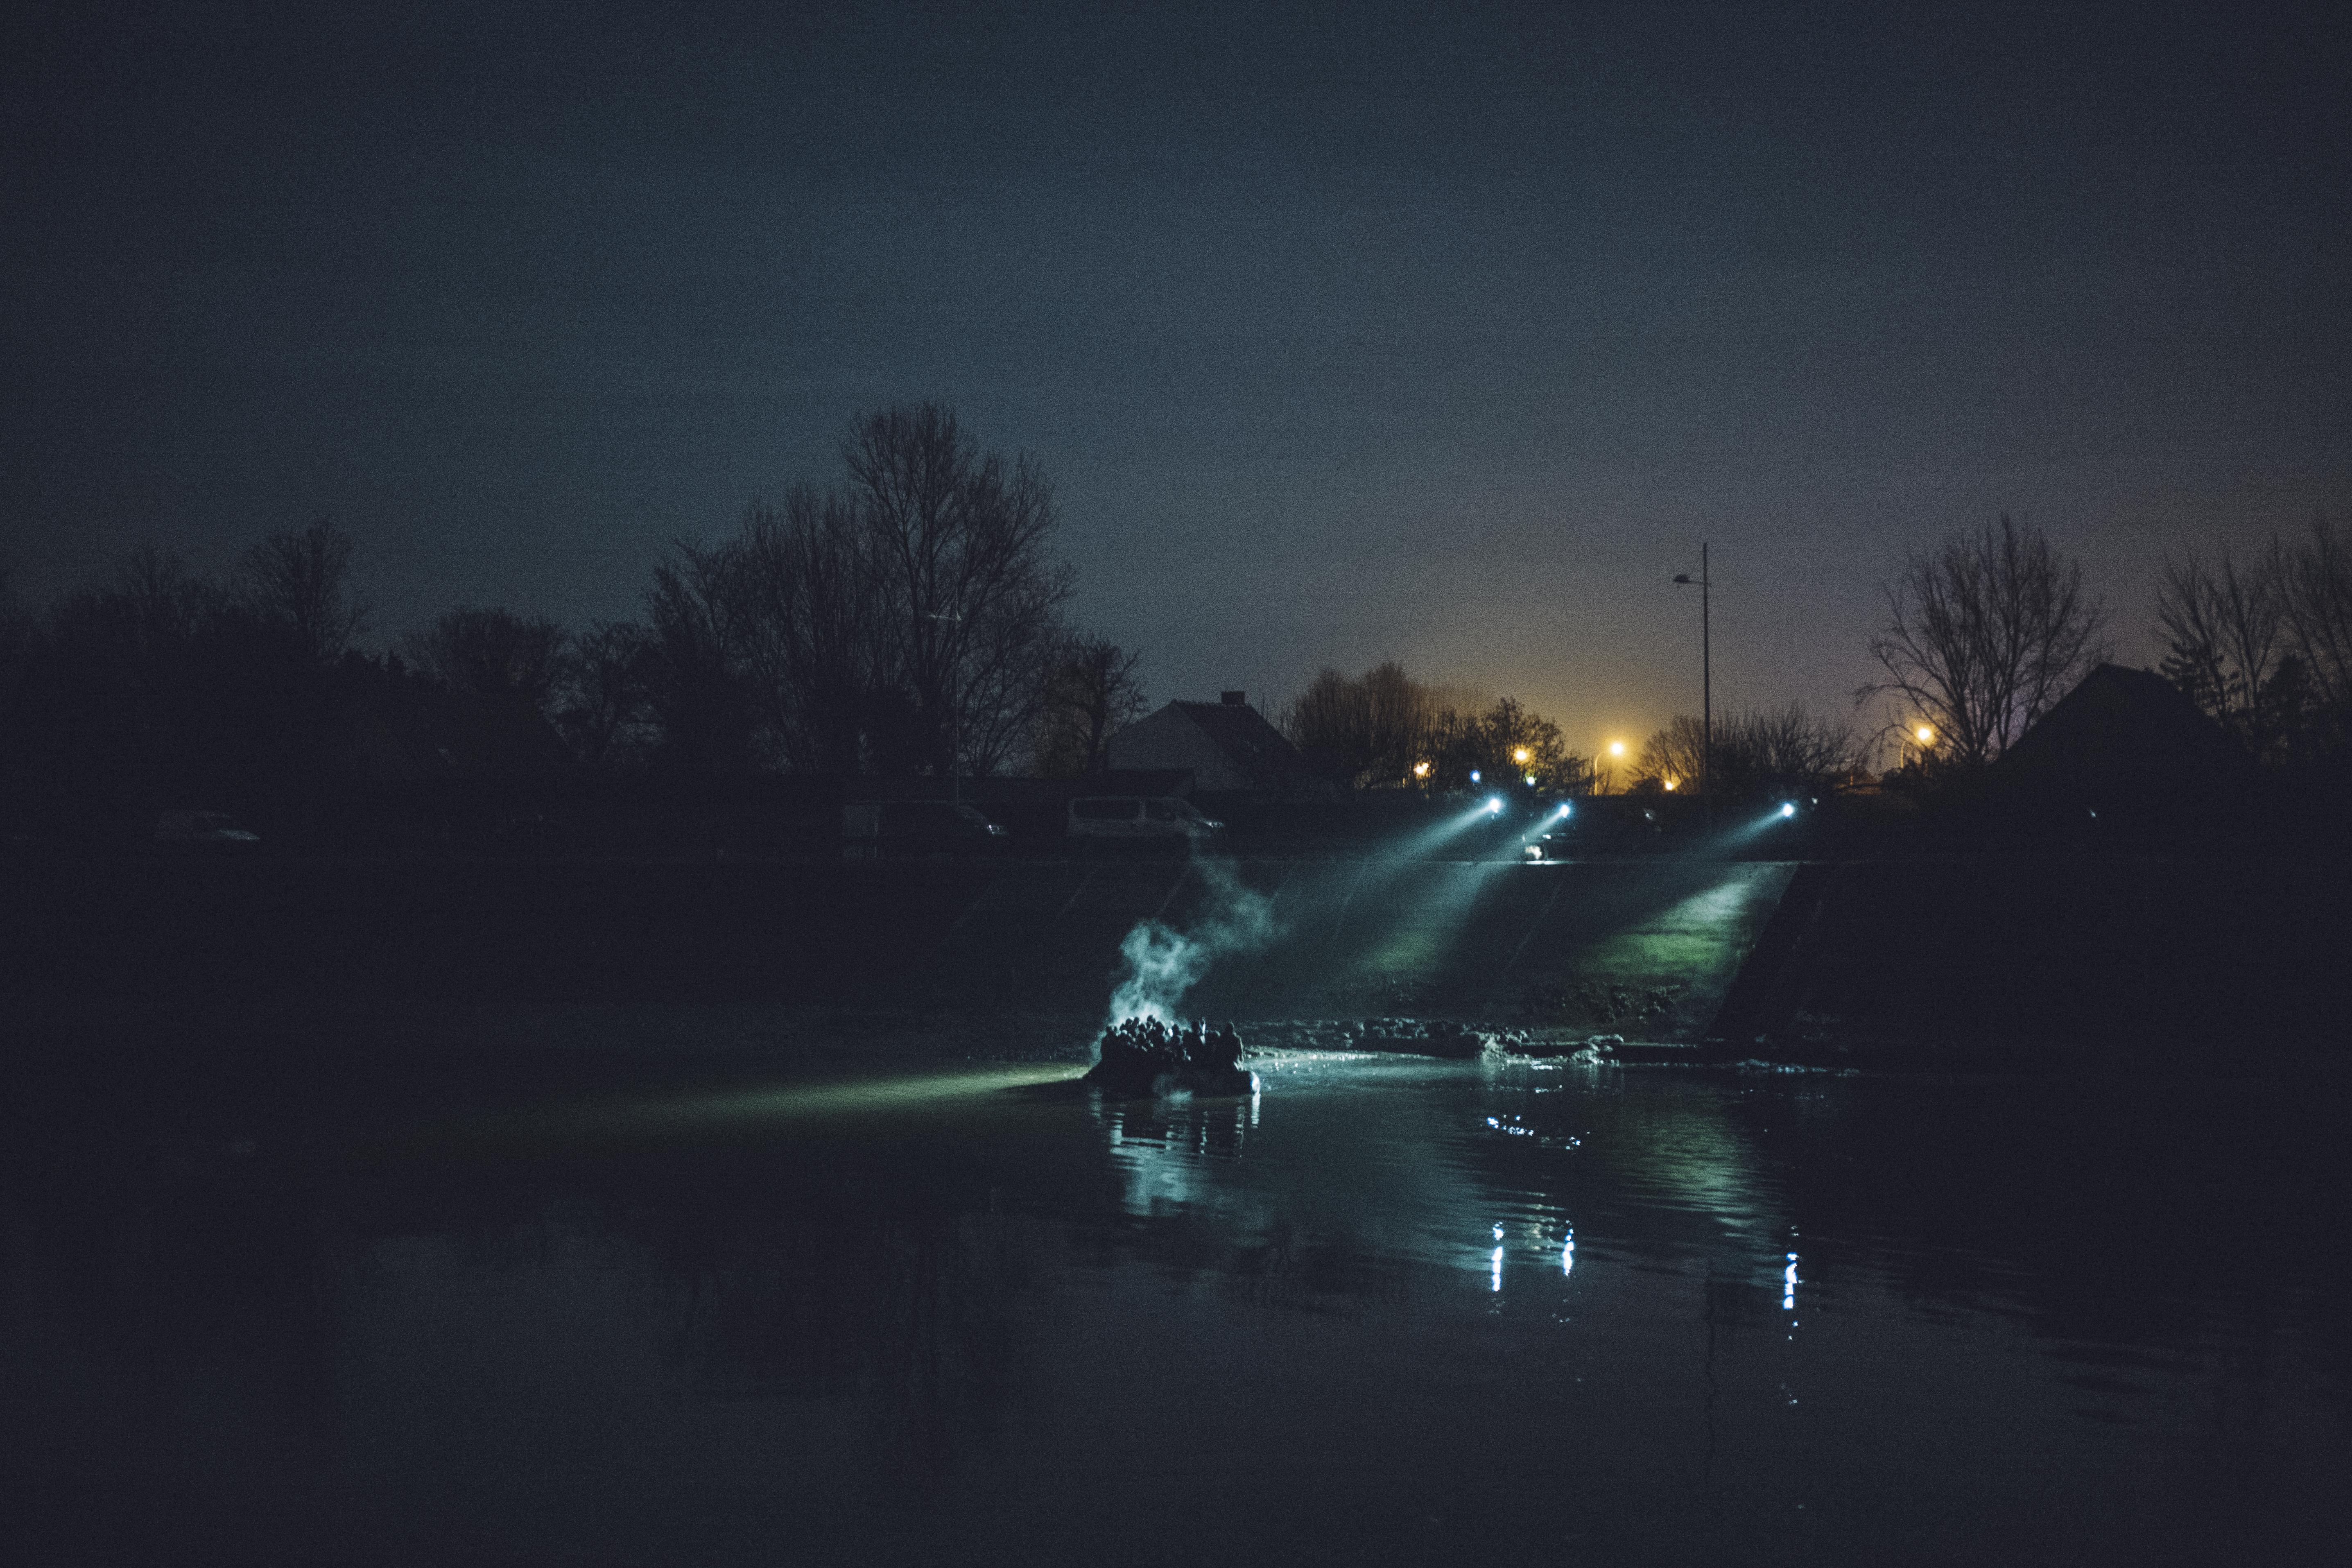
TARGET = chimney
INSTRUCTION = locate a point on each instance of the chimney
(1235, 698)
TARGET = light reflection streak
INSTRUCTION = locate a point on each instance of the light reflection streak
(1568, 1255)
(1789, 1285)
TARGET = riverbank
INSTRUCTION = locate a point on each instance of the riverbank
(2005, 964)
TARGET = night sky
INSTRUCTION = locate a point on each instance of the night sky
(1444, 333)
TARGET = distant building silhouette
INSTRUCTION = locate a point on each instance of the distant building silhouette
(1227, 746)
(2126, 748)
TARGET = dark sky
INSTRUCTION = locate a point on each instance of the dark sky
(1439, 332)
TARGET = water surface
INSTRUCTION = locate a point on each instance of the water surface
(1386, 1310)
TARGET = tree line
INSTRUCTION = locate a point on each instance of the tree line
(909, 619)
(1989, 631)
(1985, 633)
(1385, 730)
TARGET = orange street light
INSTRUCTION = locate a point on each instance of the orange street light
(1927, 734)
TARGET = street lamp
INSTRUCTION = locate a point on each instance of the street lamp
(1705, 678)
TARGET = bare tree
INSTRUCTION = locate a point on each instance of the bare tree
(605, 702)
(1510, 742)
(958, 541)
(1675, 754)
(1791, 746)
(1983, 636)
(491, 653)
(1328, 717)
(700, 661)
(1754, 750)
(300, 584)
(814, 614)
(1091, 689)
(2224, 628)
(1377, 725)
(2315, 598)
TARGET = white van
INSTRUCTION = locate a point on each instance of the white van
(1138, 818)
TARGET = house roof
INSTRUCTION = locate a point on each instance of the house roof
(1242, 732)
(2120, 721)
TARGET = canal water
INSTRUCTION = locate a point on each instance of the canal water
(1386, 1310)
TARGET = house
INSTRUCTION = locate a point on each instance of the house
(2122, 725)
(2126, 747)
(1226, 745)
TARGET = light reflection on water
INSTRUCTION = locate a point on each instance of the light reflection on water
(1380, 1304)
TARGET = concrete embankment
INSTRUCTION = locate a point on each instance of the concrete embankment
(1645, 946)
(1926, 962)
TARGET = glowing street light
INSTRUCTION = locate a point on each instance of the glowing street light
(1520, 756)
(1926, 733)
(1671, 783)
(1421, 769)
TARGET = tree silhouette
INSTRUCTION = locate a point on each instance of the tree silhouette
(1982, 636)
(300, 582)
(1090, 690)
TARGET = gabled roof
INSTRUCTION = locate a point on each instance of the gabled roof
(2124, 723)
(1241, 731)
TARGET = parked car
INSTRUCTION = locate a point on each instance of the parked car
(917, 827)
(1106, 819)
(215, 830)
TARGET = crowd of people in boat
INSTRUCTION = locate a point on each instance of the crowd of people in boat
(1144, 1048)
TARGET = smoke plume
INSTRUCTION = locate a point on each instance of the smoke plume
(1163, 964)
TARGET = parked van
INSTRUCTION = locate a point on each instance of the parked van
(1138, 819)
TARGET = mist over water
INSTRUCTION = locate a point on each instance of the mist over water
(1163, 963)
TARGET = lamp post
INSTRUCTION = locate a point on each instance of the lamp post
(1706, 680)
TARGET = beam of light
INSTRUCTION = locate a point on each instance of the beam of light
(1428, 839)
(1568, 1255)
(1493, 804)
(1789, 1285)
(1788, 808)
(735, 1112)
